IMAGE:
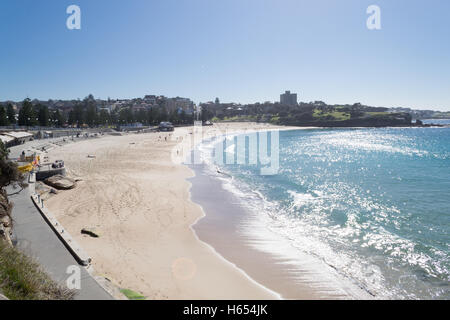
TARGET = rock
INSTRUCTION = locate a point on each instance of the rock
(90, 232)
(5, 221)
(53, 191)
(5, 206)
(2, 297)
(60, 182)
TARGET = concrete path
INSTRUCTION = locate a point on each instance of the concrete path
(35, 238)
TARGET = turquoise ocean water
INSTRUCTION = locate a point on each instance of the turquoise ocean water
(373, 204)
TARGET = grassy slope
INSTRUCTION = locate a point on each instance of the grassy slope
(22, 279)
(337, 115)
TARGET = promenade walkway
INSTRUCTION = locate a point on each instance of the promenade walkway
(35, 238)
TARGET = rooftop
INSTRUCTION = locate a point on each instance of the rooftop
(6, 139)
(19, 135)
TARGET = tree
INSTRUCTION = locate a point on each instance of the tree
(3, 116)
(27, 116)
(126, 116)
(183, 117)
(90, 107)
(10, 114)
(9, 174)
(43, 115)
(174, 117)
(114, 117)
(150, 116)
(71, 118)
(162, 115)
(91, 115)
(104, 118)
(77, 115)
(57, 118)
(142, 117)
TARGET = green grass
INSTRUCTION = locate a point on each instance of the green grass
(22, 279)
(275, 120)
(337, 115)
(131, 295)
(377, 114)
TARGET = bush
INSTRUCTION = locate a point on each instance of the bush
(22, 279)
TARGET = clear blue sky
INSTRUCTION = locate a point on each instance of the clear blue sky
(237, 50)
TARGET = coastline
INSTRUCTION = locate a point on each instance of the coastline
(249, 260)
(139, 201)
(226, 227)
(184, 260)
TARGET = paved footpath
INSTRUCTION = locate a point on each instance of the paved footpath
(35, 238)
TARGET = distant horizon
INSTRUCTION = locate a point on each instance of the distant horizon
(222, 101)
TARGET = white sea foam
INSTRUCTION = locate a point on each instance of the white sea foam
(277, 228)
(272, 233)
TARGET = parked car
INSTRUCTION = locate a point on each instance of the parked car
(166, 127)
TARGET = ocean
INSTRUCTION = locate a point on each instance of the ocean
(372, 204)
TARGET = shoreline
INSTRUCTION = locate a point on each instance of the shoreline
(242, 275)
(275, 294)
(257, 287)
(290, 279)
(147, 242)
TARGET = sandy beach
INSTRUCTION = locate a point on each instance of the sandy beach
(134, 193)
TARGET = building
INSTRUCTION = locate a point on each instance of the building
(151, 99)
(178, 104)
(20, 137)
(7, 140)
(288, 98)
(108, 108)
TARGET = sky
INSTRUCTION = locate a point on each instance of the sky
(242, 51)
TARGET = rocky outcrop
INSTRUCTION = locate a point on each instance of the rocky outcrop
(5, 218)
(60, 182)
(4, 205)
